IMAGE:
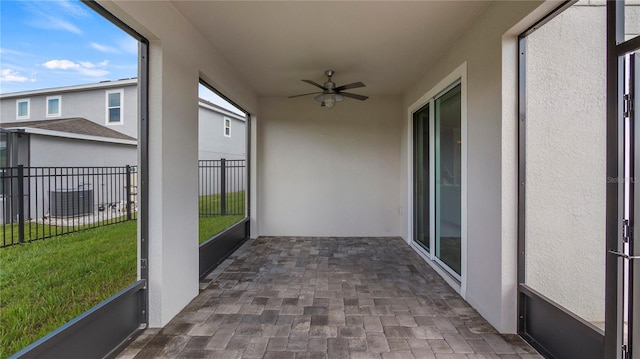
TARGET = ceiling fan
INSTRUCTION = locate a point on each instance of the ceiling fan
(330, 93)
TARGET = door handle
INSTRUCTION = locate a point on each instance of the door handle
(624, 255)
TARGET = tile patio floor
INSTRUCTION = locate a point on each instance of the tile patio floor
(293, 298)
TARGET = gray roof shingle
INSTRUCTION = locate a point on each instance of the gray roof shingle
(77, 125)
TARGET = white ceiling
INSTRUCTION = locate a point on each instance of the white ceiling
(387, 45)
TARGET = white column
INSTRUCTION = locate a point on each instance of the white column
(253, 181)
(173, 184)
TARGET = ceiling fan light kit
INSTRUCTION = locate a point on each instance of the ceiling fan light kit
(329, 100)
(330, 93)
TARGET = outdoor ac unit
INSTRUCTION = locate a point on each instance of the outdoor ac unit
(71, 202)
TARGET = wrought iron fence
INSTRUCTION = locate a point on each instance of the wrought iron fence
(222, 187)
(43, 202)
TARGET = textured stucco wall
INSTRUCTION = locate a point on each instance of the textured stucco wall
(631, 18)
(490, 281)
(179, 57)
(565, 183)
(329, 172)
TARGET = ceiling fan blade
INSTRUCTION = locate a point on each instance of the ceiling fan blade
(315, 84)
(352, 95)
(354, 85)
(305, 94)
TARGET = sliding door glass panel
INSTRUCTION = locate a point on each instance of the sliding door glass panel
(421, 177)
(565, 151)
(448, 176)
(631, 19)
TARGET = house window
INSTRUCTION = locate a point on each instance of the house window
(53, 106)
(22, 109)
(114, 107)
(227, 127)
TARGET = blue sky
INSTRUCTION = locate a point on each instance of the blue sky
(56, 43)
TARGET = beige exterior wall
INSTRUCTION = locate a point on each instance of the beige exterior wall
(329, 172)
(566, 173)
(173, 145)
(490, 283)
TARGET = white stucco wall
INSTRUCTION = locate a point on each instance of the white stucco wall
(631, 18)
(566, 133)
(173, 145)
(329, 172)
(491, 280)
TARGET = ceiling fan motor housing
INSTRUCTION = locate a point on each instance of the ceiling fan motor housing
(329, 85)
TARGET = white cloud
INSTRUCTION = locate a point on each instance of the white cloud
(8, 75)
(60, 64)
(46, 15)
(60, 24)
(104, 48)
(11, 52)
(72, 8)
(82, 67)
(49, 22)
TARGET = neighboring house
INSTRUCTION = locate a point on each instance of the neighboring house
(68, 158)
(94, 126)
(86, 122)
(113, 104)
(68, 142)
(221, 133)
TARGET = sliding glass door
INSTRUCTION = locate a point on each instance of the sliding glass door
(448, 176)
(437, 147)
(422, 179)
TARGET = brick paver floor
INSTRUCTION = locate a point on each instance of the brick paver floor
(300, 298)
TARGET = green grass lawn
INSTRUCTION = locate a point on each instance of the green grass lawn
(44, 284)
(212, 225)
(210, 204)
(35, 231)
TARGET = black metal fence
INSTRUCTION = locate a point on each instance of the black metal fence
(222, 187)
(43, 202)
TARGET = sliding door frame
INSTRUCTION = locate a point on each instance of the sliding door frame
(456, 77)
